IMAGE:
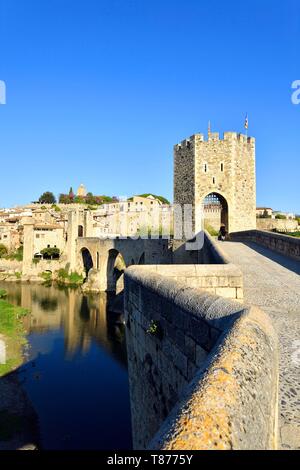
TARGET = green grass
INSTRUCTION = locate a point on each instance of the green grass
(213, 232)
(10, 317)
(12, 329)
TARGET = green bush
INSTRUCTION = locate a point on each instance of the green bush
(50, 253)
(17, 255)
(3, 294)
(46, 275)
(3, 250)
(63, 273)
(56, 208)
(280, 216)
(155, 329)
(73, 278)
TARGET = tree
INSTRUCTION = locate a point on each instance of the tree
(64, 199)
(266, 215)
(47, 198)
(71, 194)
(50, 253)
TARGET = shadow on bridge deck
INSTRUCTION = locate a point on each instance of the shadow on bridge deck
(284, 261)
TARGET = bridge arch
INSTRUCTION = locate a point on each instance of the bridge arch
(215, 211)
(115, 271)
(142, 258)
(87, 260)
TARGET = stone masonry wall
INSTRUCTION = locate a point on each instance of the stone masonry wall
(278, 224)
(283, 244)
(192, 327)
(224, 280)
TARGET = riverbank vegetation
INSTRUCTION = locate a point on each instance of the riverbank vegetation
(63, 278)
(69, 279)
(12, 333)
(15, 256)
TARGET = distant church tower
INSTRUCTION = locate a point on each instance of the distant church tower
(82, 192)
(217, 172)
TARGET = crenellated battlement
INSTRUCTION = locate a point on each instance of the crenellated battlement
(214, 137)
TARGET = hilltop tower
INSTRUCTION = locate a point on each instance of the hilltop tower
(81, 191)
(217, 172)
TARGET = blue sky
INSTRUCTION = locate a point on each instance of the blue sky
(99, 91)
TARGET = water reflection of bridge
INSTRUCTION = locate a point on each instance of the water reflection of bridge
(82, 318)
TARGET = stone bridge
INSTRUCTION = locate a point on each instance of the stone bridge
(103, 261)
(217, 374)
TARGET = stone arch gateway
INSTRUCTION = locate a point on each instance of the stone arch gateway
(215, 211)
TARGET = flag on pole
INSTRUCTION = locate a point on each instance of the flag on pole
(246, 122)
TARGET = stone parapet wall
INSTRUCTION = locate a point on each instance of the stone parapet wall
(283, 244)
(211, 252)
(232, 402)
(207, 377)
(225, 280)
(277, 224)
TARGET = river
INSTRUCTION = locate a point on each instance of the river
(75, 368)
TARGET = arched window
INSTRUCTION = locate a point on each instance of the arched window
(80, 231)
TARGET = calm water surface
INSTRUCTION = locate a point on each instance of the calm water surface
(75, 368)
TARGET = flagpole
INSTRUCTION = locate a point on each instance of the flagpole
(246, 125)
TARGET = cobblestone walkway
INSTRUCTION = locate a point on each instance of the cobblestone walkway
(272, 282)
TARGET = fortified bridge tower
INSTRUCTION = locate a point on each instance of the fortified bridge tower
(217, 171)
